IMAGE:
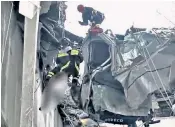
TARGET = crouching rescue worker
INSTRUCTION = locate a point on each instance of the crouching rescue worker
(67, 61)
(89, 14)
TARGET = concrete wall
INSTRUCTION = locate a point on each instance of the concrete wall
(11, 74)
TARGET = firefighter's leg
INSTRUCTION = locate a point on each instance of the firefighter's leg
(67, 70)
(95, 24)
(75, 74)
(98, 20)
(77, 69)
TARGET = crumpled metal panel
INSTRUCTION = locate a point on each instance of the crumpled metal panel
(109, 95)
(139, 80)
(131, 95)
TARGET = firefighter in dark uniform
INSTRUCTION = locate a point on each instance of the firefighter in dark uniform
(89, 14)
(67, 61)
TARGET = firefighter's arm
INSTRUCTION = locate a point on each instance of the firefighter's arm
(56, 69)
(53, 72)
(85, 20)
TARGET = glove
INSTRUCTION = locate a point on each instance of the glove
(82, 23)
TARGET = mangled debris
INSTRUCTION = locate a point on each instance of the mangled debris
(123, 76)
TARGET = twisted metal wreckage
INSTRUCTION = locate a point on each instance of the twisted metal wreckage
(123, 79)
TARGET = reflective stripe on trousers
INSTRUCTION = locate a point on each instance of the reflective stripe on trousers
(76, 66)
(50, 74)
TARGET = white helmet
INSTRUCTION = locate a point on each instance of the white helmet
(68, 48)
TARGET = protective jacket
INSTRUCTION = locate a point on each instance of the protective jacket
(68, 62)
(89, 14)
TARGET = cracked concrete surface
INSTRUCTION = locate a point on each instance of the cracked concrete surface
(11, 75)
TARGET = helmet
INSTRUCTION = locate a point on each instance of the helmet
(68, 48)
(80, 8)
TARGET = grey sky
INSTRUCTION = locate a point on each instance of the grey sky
(120, 15)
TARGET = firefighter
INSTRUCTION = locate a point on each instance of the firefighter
(67, 61)
(89, 14)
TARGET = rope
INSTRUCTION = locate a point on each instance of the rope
(156, 73)
(159, 75)
(5, 43)
(157, 84)
(165, 17)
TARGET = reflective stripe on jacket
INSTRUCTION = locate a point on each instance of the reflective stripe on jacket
(62, 58)
(65, 66)
(74, 52)
(62, 54)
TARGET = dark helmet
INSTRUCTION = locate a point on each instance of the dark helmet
(80, 8)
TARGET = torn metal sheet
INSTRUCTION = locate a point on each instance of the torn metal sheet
(125, 88)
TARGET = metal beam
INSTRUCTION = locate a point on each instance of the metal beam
(29, 65)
